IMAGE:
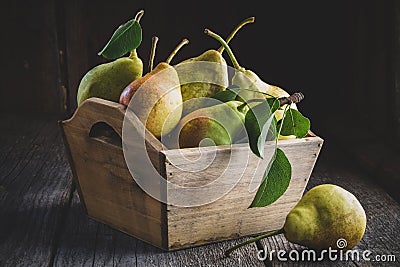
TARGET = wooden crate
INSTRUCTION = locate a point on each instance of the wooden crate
(110, 194)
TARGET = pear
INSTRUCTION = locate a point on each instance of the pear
(221, 123)
(324, 215)
(158, 103)
(247, 79)
(107, 80)
(202, 79)
(327, 216)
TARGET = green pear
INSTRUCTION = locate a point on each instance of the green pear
(221, 123)
(109, 79)
(327, 216)
(217, 73)
(158, 103)
(205, 80)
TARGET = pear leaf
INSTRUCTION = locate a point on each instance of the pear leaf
(125, 39)
(272, 131)
(294, 123)
(275, 182)
(273, 104)
(257, 122)
(227, 95)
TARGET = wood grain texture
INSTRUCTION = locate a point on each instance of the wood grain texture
(229, 216)
(75, 30)
(104, 181)
(376, 157)
(396, 71)
(85, 242)
(35, 185)
(31, 71)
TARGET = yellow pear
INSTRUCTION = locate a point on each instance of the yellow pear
(158, 98)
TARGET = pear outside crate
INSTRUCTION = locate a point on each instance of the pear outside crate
(110, 195)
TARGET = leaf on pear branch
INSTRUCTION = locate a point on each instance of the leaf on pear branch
(125, 39)
(227, 95)
(257, 122)
(294, 123)
(272, 131)
(275, 182)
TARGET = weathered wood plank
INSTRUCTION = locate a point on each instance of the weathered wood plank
(104, 181)
(31, 81)
(229, 216)
(396, 71)
(16, 137)
(36, 184)
(208, 255)
(361, 147)
(86, 242)
(75, 12)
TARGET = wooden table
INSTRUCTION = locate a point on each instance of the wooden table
(43, 224)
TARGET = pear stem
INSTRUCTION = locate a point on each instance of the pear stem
(179, 46)
(228, 49)
(293, 99)
(154, 41)
(139, 15)
(237, 28)
(133, 54)
(242, 106)
(254, 239)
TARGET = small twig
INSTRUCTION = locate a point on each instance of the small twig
(254, 239)
(232, 34)
(293, 99)
(139, 15)
(154, 41)
(173, 53)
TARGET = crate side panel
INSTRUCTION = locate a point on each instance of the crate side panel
(109, 192)
(229, 217)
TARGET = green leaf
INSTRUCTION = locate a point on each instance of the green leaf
(227, 95)
(257, 122)
(125, 39)
(294, 123)
(272, 131)
(276, 180)
(273, 104)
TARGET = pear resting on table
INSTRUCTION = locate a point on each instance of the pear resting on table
(325, 214)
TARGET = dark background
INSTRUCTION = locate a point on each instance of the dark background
(343, 55)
